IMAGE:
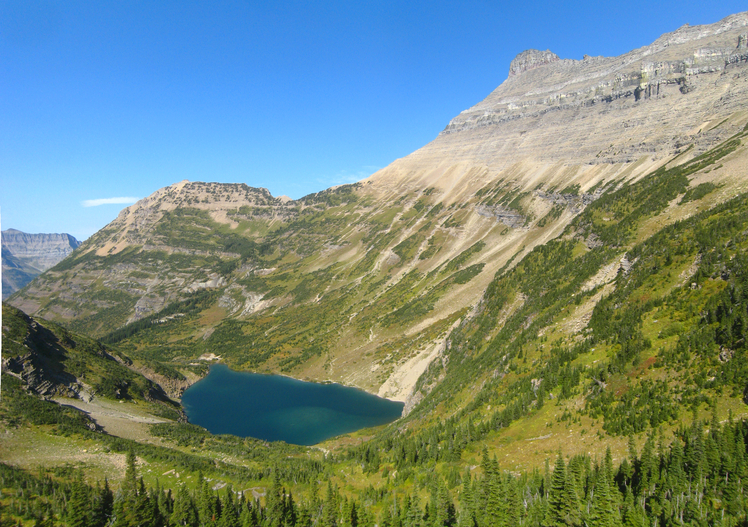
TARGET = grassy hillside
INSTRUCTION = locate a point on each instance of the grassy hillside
(614, 353)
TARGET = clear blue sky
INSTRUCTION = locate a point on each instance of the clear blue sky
(116, 99)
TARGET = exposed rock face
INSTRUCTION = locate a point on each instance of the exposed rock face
(554, 119)
(531, 59)
(41, 367)
(41, 250)
(27, 255)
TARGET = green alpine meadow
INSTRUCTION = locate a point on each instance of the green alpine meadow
(554, 291)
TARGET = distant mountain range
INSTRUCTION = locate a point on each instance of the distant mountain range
(25, 256)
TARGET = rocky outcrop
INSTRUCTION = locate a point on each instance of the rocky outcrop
(53, 362)
(42, 366)
(508, 217)
(531, 59)
(574, 202)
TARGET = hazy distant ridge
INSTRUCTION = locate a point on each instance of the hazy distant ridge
(25, 256)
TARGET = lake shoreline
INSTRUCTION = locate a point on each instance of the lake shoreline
(280, 407)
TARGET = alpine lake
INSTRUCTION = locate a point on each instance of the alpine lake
(277, 408)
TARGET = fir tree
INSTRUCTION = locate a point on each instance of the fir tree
(446, 515)
(78, 505)
(559, 510)
(103, 506)
(495, 513)
(275, 502)
(229, 514)
(330, 508)
(604, 512)
(184, 513)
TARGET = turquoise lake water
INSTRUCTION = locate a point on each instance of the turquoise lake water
(276, 408)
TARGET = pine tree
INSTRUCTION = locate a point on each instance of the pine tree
(514, 501)
(274, 502)
(648, 468)
(126, 504)
(229, 514)
(676, 475)
(330, 508)
(446, 515)
(184, 513)
(249, 516)
(604, 512)
(411, 513)
(467, 502)
(495, 513)
(146, 511)
(78, 505)
(352, 517)
(303, 519)
(386, 519)
(289, 510)
(559, 510)
(103, 506)
(209, 507)
(633, 516)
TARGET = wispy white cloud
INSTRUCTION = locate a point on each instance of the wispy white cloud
(109, 201)
(345, 176)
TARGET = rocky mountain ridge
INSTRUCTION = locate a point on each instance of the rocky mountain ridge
(42, 250)
(133, 226)
(25, 256)
(547, 109)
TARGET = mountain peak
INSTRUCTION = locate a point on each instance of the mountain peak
(531, 59)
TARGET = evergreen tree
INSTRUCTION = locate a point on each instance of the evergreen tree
(411, 513)
(229, 514)
(289, 510)
(126, 507)
(330, 508)
(275, 502)
(495, 513)
(78, 505)
(184, 513)
(146, 511)
(513, 502)
(633, 515)
(446, 515)
(467, 502)
(352, 516)
(559, 510)
(103, 506)
(604, 512)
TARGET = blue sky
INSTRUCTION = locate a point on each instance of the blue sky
(105, 102)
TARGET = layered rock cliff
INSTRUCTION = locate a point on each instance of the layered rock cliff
(561, 121)
(25, 256)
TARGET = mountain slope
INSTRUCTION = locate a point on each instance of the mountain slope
(362, 284)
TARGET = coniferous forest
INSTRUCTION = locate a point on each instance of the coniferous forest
(696, 480)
